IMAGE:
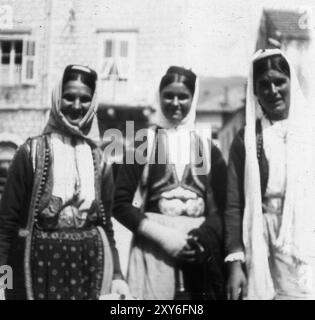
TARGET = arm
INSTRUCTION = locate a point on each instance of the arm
(15, 200)
(218, 178)
(233, 217)
(169, 239)
(107, 189)
(127, 181)
(119, 285)
(209, 234)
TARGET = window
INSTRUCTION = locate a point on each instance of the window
(17, 61)
(116, 64)
(7, 151)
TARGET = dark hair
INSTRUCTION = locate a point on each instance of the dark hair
(179, 74)
(74, 72)
(276, 62)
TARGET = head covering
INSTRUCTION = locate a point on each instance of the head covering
(185, 130)
(57, 122)
(189, 121)
(300, 187)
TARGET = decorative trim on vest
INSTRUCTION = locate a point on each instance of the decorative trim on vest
(40, 148)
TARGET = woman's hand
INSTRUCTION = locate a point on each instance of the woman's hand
(121, 288)
(171, 240)
(237, 282)
(193, 252)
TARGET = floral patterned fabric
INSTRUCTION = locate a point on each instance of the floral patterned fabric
(67, 265)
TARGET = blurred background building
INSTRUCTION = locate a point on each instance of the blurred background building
(290, 31)
(129, 43)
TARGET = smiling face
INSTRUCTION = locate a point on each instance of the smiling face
(273, 92)
(76, 101)
(176, 101)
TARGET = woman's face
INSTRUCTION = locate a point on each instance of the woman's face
(273, 93)
(76, 101)
(176, 101)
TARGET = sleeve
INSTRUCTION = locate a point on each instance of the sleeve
(15, 200)
(107, 190)
(210, 233)
(235, 196)
(218, 178)
(127, 182)
(236, 256)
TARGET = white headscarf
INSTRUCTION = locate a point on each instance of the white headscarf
(188, 122)
(300, 188)
(180, 134)
(57, 122)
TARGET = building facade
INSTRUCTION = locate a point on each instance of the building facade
(287, 30)
(127, 42)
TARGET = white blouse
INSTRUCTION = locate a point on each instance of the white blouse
(179, 149)
(274, 144)
(73, 178)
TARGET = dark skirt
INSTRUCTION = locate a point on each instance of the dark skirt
(67, 264)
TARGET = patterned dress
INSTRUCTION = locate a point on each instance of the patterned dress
(65, 235)
(176, 197)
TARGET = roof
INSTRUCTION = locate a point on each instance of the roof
(217, 95)
(285, 23)
(221, 95)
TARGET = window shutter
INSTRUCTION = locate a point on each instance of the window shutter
(116, 66)
(123, 60)
(107, 59)
(29, 61)
(123, 68)
(107, 67)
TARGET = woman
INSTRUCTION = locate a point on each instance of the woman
(176, 251)
(269, 221)
(55, 225)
